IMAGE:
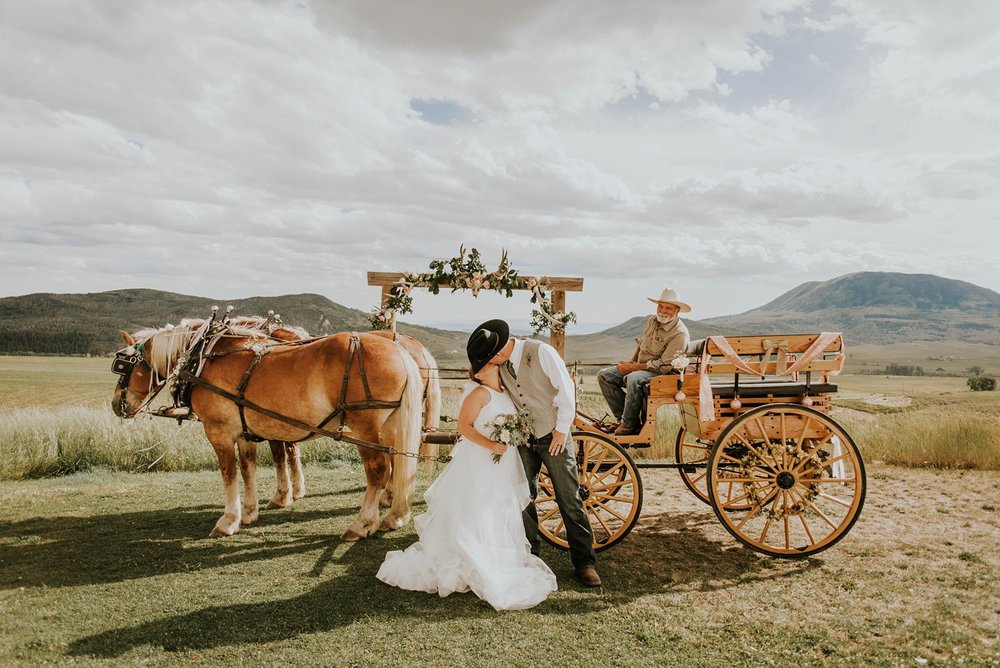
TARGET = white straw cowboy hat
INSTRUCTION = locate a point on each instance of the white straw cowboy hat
(669, 296)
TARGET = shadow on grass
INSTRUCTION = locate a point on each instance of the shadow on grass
(690, 550)
(672, 551)
(68, 551)
(335, 603)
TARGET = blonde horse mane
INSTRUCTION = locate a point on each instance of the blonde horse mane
(169, 342)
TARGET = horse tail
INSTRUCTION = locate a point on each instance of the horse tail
(432, 409)
(402, 431)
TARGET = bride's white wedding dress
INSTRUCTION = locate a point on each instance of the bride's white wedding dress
(472, 535)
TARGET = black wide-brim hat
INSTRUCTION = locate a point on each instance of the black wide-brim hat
(486, 341)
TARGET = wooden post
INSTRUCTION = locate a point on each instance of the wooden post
(386, 293)
(558, 338)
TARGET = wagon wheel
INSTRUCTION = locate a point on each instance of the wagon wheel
(610, 487)
(693, 452)
(800, 472)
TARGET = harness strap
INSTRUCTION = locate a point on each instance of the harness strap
(319, 431)
(247, 434)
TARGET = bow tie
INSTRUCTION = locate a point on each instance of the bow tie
(510, 369)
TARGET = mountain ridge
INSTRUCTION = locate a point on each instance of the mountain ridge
(868, 307)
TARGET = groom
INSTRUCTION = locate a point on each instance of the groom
(536, 379)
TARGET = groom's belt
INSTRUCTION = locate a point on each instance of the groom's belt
(540, 440)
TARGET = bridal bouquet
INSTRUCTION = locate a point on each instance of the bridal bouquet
(513, 429)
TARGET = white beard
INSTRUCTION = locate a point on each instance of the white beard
(665, 320)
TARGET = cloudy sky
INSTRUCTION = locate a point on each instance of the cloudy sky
(730, 149)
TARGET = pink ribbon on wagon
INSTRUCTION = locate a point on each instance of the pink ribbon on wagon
(814, 351)
(706, 402)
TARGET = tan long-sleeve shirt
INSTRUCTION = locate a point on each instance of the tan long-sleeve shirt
(659, 343)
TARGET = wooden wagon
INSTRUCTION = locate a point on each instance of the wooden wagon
(757, 444)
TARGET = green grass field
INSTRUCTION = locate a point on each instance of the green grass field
(107, 568)
(99, 565)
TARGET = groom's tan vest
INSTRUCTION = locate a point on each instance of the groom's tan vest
(532, 390)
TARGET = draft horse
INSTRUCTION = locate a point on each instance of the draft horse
(312, 383)
(432, 391)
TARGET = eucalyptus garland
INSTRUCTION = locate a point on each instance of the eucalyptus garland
(469, 273)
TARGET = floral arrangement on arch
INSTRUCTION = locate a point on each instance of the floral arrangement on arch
(469, 273)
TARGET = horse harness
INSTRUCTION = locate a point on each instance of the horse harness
(188, 375)
(355, 351)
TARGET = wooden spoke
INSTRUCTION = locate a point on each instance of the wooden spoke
(831, 462)
(833, 499)
(610, 512)
(549, 514)
(749, 446)
(729, 504)
(802, 518)
(559, 527)
(756, 511)
(593, 512)
(613, 493)
(613, 485)
(784, 507)
(778, 496)
(819, 512)
(603, 476)
(805, 430)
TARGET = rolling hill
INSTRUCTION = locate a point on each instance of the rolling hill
(879, 308)
(869, 307)
(77, 324)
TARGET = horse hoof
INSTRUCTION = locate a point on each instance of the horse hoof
(391, 523)
(272, 504)
(218, 533)
(352, 536)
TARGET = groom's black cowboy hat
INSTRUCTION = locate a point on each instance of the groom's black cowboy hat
(486, 341)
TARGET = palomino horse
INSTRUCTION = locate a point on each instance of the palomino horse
(311, 383)
(432, 387)
(286, 456)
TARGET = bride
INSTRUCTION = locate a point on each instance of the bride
(472, 535)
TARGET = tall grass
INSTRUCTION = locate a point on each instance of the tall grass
(952, 437)
(43, 442)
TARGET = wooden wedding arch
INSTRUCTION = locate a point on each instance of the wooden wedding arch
(559, 286)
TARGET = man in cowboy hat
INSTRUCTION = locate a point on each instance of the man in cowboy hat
(536, 379)
(663, 336)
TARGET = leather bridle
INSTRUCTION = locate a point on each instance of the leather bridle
(125, 362)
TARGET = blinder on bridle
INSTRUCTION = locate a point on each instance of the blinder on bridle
(125, 362)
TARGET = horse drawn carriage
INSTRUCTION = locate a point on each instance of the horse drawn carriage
(757, 444)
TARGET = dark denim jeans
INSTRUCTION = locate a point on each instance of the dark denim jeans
(566, 482)
(622, 392)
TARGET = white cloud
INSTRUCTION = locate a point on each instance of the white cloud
(731, 149)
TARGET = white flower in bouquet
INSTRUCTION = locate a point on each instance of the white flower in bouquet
(511, 429)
